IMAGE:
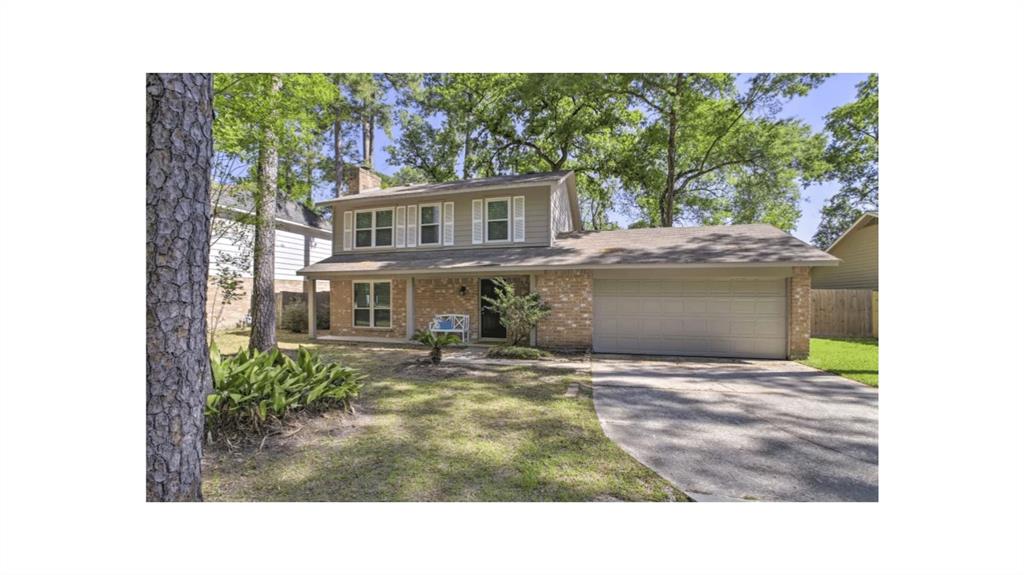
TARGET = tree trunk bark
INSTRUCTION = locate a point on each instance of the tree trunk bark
(339, 166)
(369, 153)
(466, 151)
(668, 200)
(179, 148)
(263, 336)
(668, 206)
(367, 142)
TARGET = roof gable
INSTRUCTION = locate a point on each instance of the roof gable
(861, 222)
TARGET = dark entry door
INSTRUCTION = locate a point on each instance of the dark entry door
(490, 325)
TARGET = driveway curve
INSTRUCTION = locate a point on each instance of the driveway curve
(725, 430)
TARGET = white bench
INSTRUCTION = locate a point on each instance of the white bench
(451, 323)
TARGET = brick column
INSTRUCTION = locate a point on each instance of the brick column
(570, 295)
(800, 313)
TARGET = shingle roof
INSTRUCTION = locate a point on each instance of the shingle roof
(287, 210)
(738, 245)
(459, 186)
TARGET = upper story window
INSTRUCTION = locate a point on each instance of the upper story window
(497, 216)
(375, 228)
(430, 224)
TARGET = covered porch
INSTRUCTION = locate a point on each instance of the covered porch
(391, 308)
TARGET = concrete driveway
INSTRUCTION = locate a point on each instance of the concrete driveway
(743, 429)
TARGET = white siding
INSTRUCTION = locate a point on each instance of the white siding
(320, 250)
(290, 253)
(561, 211)
(224, 243)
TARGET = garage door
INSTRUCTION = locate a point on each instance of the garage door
(701, 317)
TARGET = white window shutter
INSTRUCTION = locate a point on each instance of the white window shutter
(478, 221)
(346, 231)
(519, 219)
(412, 217)
(449, 223)
(400, 227)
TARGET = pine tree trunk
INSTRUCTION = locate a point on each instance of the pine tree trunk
(367, 142)
(339, 166)
(179, 147)
(263, 336)
(369, 152)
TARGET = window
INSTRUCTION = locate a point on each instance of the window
(374, 228)
(371, 304)
(430, 224)
(497, 220)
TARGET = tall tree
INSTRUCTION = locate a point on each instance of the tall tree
(264, 119)
(711, 152)
(367, 100)
(500, 123)
(852, 157)
(179, 147)
(262, 308)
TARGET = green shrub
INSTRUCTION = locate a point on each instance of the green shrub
(435, 341)
(254, 389)
(517, 352)
(519, 313)
(294, 318)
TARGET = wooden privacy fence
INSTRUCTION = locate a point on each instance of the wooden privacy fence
(844, 313)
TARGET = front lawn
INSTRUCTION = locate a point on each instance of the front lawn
(856, 359)
(447, 433)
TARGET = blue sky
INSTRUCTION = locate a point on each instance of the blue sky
(836, 90)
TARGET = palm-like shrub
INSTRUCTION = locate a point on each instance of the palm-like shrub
(436, 341)
(254, 389)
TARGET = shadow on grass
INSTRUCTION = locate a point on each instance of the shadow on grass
(506, 434)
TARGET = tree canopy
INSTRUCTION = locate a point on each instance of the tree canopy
(667, 149)
(852, 159)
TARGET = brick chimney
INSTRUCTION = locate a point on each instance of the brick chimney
(360, 178)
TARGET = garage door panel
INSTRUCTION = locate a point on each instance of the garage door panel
(727, 317)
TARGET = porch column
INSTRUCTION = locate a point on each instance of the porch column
(311, 306)
(410, 307)
(533, 330)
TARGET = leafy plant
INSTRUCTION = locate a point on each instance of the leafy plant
(517, 352)
(518, 313)
(254, 389)
(436, 342)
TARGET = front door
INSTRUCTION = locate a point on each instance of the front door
(490, 323)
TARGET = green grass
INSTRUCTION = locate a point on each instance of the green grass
(856, 359)
(448, 433)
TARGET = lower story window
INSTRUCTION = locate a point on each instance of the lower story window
(371, 304)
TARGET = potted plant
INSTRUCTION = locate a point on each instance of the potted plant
(436, 342)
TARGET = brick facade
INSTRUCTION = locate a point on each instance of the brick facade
(341, 311)
(800, 313)
(570, 295)
(437, 295)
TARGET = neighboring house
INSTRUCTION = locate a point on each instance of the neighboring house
(403, 255)
(858, 250)
(300, 238)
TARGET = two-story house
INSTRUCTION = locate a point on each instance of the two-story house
(403, 255)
